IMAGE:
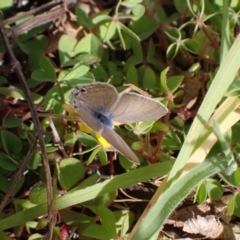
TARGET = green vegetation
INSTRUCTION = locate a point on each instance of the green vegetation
(185, 54)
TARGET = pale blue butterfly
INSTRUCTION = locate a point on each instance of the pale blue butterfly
(99, 105)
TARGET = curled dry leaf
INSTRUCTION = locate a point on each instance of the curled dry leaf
(209, 227)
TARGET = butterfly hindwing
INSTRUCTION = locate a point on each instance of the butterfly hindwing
(119, 144)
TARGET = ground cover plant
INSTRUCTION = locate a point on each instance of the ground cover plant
(61, 180)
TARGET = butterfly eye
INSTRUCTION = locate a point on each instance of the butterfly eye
(83, 90)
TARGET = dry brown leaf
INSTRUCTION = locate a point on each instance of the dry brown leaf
(180, 216)
(209, 227)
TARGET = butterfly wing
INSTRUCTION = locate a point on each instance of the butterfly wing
(107, 132)
(119, 144)
(133, 107)
(86, 115)
(99, 96)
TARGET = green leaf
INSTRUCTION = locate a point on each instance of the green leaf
(149, 78)
(181, 6)
(41, 225)
(66, 47)
(231, 205)
(163, 17)
(3, 235)
(172, 197)
(103, 200)
(124, 220)
(138, 11)
(34, 60)
(151, 55)
(159, 126)
(89, 44)
(86, 139)
(38, 194)
(37, 44)
(137, 57)
(22, 204)
(92, 155)
(70, 139)
(83, 58)
(236, 177)
(50, 149)
(191, 45)
(108, 30)
(108, 219)
(33, 33)
(90, 181)
(174, 82)
(172, 50)
(116, 75)
(173, 34)
(125, 163)
(143, 27)
(70, 171)
(17, 93)
(11, 143)
(11, 122)
(82, 18)
(102, 17)
(214, 189)
(42, 76)
(235, 134)
(98, 232)
(237, 205)
(70, 216)
(3, 80)
(72, 198)
(102, 156)
(47, 65)
(46, 71)
(6, 4)
(5, 184)
(233, 89)
(201, 194)
(100, 73)
(172, 141)
(131, 3)
(34, 161)
(54, 100)
(129, 32)
(163, 80)
(76, 72)
(7, 163)
(132, 76)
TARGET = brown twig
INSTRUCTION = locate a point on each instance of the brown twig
(18, 174)
(57, 138)
(38, 132)
(36, 21)
(33, 11)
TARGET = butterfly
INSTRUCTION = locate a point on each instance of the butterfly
(100, 105)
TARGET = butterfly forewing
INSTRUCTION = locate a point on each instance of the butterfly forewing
(99, 96)
(85, 114)
(132, 108)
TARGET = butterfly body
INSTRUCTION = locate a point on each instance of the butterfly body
(99, 105)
